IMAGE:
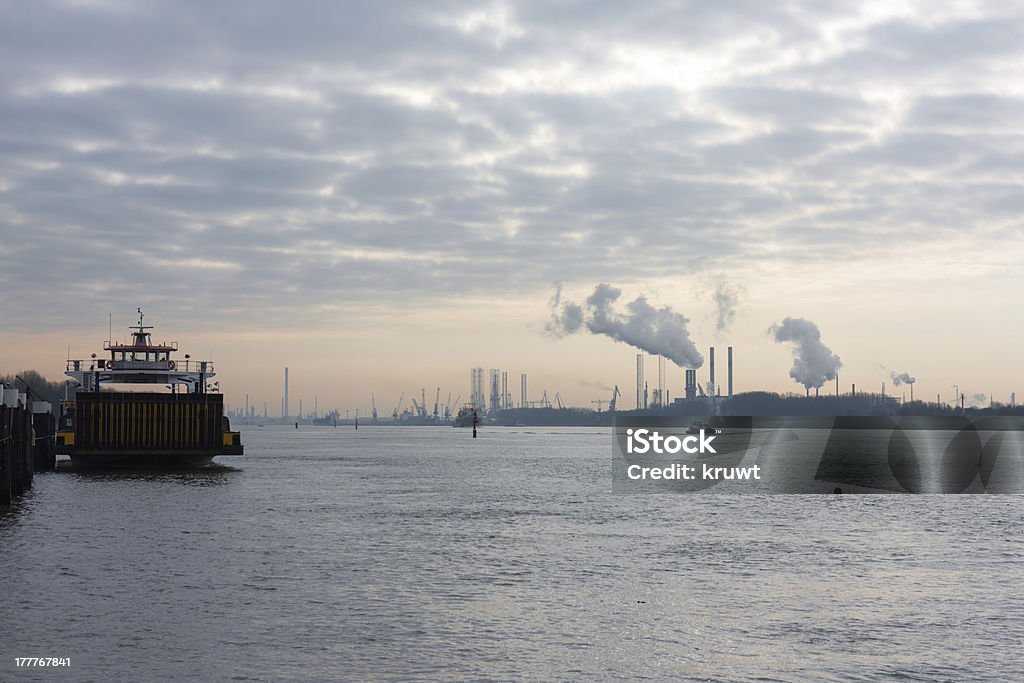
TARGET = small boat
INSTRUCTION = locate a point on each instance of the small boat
(697, 427)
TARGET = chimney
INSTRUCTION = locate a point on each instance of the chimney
(711, 379)
(691, 384)
(730, 371)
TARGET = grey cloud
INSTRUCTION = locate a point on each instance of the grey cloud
(379, 149)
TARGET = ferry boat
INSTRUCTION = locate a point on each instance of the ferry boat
(182, 426)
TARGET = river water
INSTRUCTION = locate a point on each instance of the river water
(420, 553)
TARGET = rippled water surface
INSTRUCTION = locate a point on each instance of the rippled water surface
(397, 553)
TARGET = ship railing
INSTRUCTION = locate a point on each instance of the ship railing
(173, 365)
(173, 345)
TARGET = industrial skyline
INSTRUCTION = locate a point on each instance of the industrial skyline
(498, 397)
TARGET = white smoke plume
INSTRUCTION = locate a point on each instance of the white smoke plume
(899, 378)
(658, 331)
(813, 362)
(726, 297)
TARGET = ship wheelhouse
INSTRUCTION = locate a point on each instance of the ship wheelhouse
(143, 362)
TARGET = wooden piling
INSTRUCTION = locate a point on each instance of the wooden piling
(44, 453)
(15, 453)
(5, 456)
(21, 452)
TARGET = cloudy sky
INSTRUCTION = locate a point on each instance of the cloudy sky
(382, 195)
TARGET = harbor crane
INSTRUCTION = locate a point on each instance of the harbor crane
(558, 401)
(615, 394)
(611, 402)
(421, 409)
(394, 414)
(373, 405)
(437, 401)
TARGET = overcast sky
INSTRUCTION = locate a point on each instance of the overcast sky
(382, 195)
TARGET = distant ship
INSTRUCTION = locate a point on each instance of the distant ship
(328, 420)
(182, 427)
(466, 415)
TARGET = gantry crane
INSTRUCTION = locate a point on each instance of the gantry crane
(394, 414)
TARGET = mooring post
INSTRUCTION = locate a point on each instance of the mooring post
(5, 455)
(44, 457)
(24, 470)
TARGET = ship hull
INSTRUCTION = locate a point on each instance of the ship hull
(146, 430)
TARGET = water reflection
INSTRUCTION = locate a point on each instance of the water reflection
(211, 475)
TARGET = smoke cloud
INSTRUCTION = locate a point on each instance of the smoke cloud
(567, 317)
(978, 400)
(726, 297)
(813, 362)
(899, 378)
(658, 331)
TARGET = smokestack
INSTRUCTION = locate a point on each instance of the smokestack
(640, 381)
(691, 384)
(853, 390)
(730, 371)
(284, 406)
(711, 357)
